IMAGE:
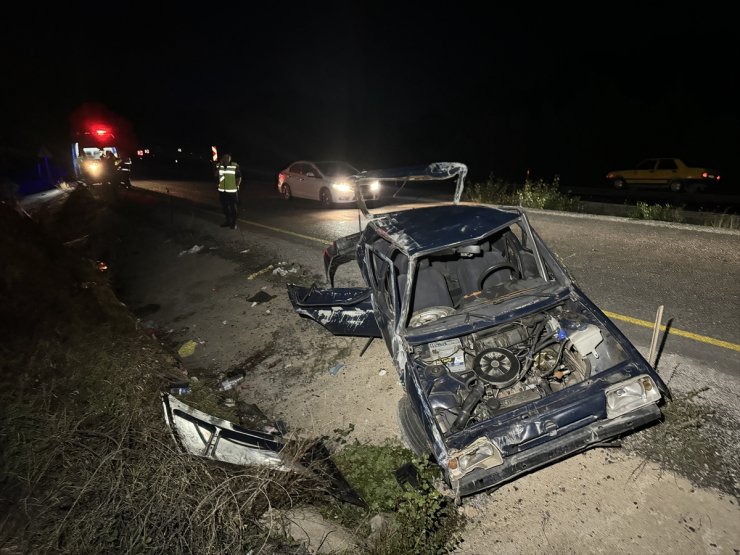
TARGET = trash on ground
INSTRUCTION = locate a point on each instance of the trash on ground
(187, 349)
(254, 304)
(101, 266)
(245, 251)
(229, 402)
(382, 372)
(260, 272)
(334, 370)
(283, 272)
(192, 250)
(261, 297)
(230, 382)
(182, 388)
(225, 322)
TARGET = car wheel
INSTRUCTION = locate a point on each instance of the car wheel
(618, 183)
(285, 191)
(675, 186)
(325, 198)
(412, 431)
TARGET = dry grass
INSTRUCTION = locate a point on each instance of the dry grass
(87, 464)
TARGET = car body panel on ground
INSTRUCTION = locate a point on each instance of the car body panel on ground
(328, 182)
(672, 173)
(506, 364)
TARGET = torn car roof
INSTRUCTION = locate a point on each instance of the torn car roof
(432, 228)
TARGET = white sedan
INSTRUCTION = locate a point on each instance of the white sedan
(328, 182)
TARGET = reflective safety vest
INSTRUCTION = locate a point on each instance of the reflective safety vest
(227, 178)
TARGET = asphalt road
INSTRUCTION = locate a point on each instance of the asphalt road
(626, 267)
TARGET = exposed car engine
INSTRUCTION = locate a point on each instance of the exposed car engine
(479, 376)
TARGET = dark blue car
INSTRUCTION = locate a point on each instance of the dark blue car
(506, 365)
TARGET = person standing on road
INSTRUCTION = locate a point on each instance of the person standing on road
(229, 178)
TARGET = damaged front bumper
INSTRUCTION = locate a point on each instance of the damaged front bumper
(556, 449)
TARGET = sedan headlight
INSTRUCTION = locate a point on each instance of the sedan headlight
(482, 453)
(342, 187)
(374, 186)
(630, 395)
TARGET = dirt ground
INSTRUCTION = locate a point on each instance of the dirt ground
(603, 501)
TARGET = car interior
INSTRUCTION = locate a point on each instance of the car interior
(456, 276)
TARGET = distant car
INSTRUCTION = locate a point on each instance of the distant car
(327, 182)
(665, 172)
(506, 365)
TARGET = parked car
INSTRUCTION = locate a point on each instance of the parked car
(327, 182)
(665, 172)
(506, 365)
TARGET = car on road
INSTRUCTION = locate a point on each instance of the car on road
(506, 365)
(328, 182)
(672, 173)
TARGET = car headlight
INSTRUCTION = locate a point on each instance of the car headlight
(374, 186)
(630, 395)
(342, 187)
(482, 453)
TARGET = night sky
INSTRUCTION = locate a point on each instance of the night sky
(504, 90)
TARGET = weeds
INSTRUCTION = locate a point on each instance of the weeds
(665, 213)
(421, 519)
(532, 194)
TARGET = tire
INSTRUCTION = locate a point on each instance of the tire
(325, 198)
(618, 183)
(675, 186)
(285, 191)
(412, 431)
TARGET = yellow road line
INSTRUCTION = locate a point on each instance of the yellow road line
(293, 233)
(612, 315)
(674, 331)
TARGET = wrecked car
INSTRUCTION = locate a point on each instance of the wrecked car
(506, 365)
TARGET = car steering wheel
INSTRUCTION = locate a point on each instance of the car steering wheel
(496, 267)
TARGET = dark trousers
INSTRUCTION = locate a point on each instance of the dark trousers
(229, 204)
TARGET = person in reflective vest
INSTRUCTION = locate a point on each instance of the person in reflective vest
(229, 178)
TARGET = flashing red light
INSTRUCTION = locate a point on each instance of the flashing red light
(101, 132)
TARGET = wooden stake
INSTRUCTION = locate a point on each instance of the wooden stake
(656, 330)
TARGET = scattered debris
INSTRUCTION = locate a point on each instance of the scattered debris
(192, 250)
(282, 271)
(261, 297)
(225, 322)
(203, 435)
(260, 272)
(245, 251)
(229, 402)
(187, 349)
(180, 388)
(101, 266)
(230, 382)
(382, 372)
(254, 304)
(334, 370)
